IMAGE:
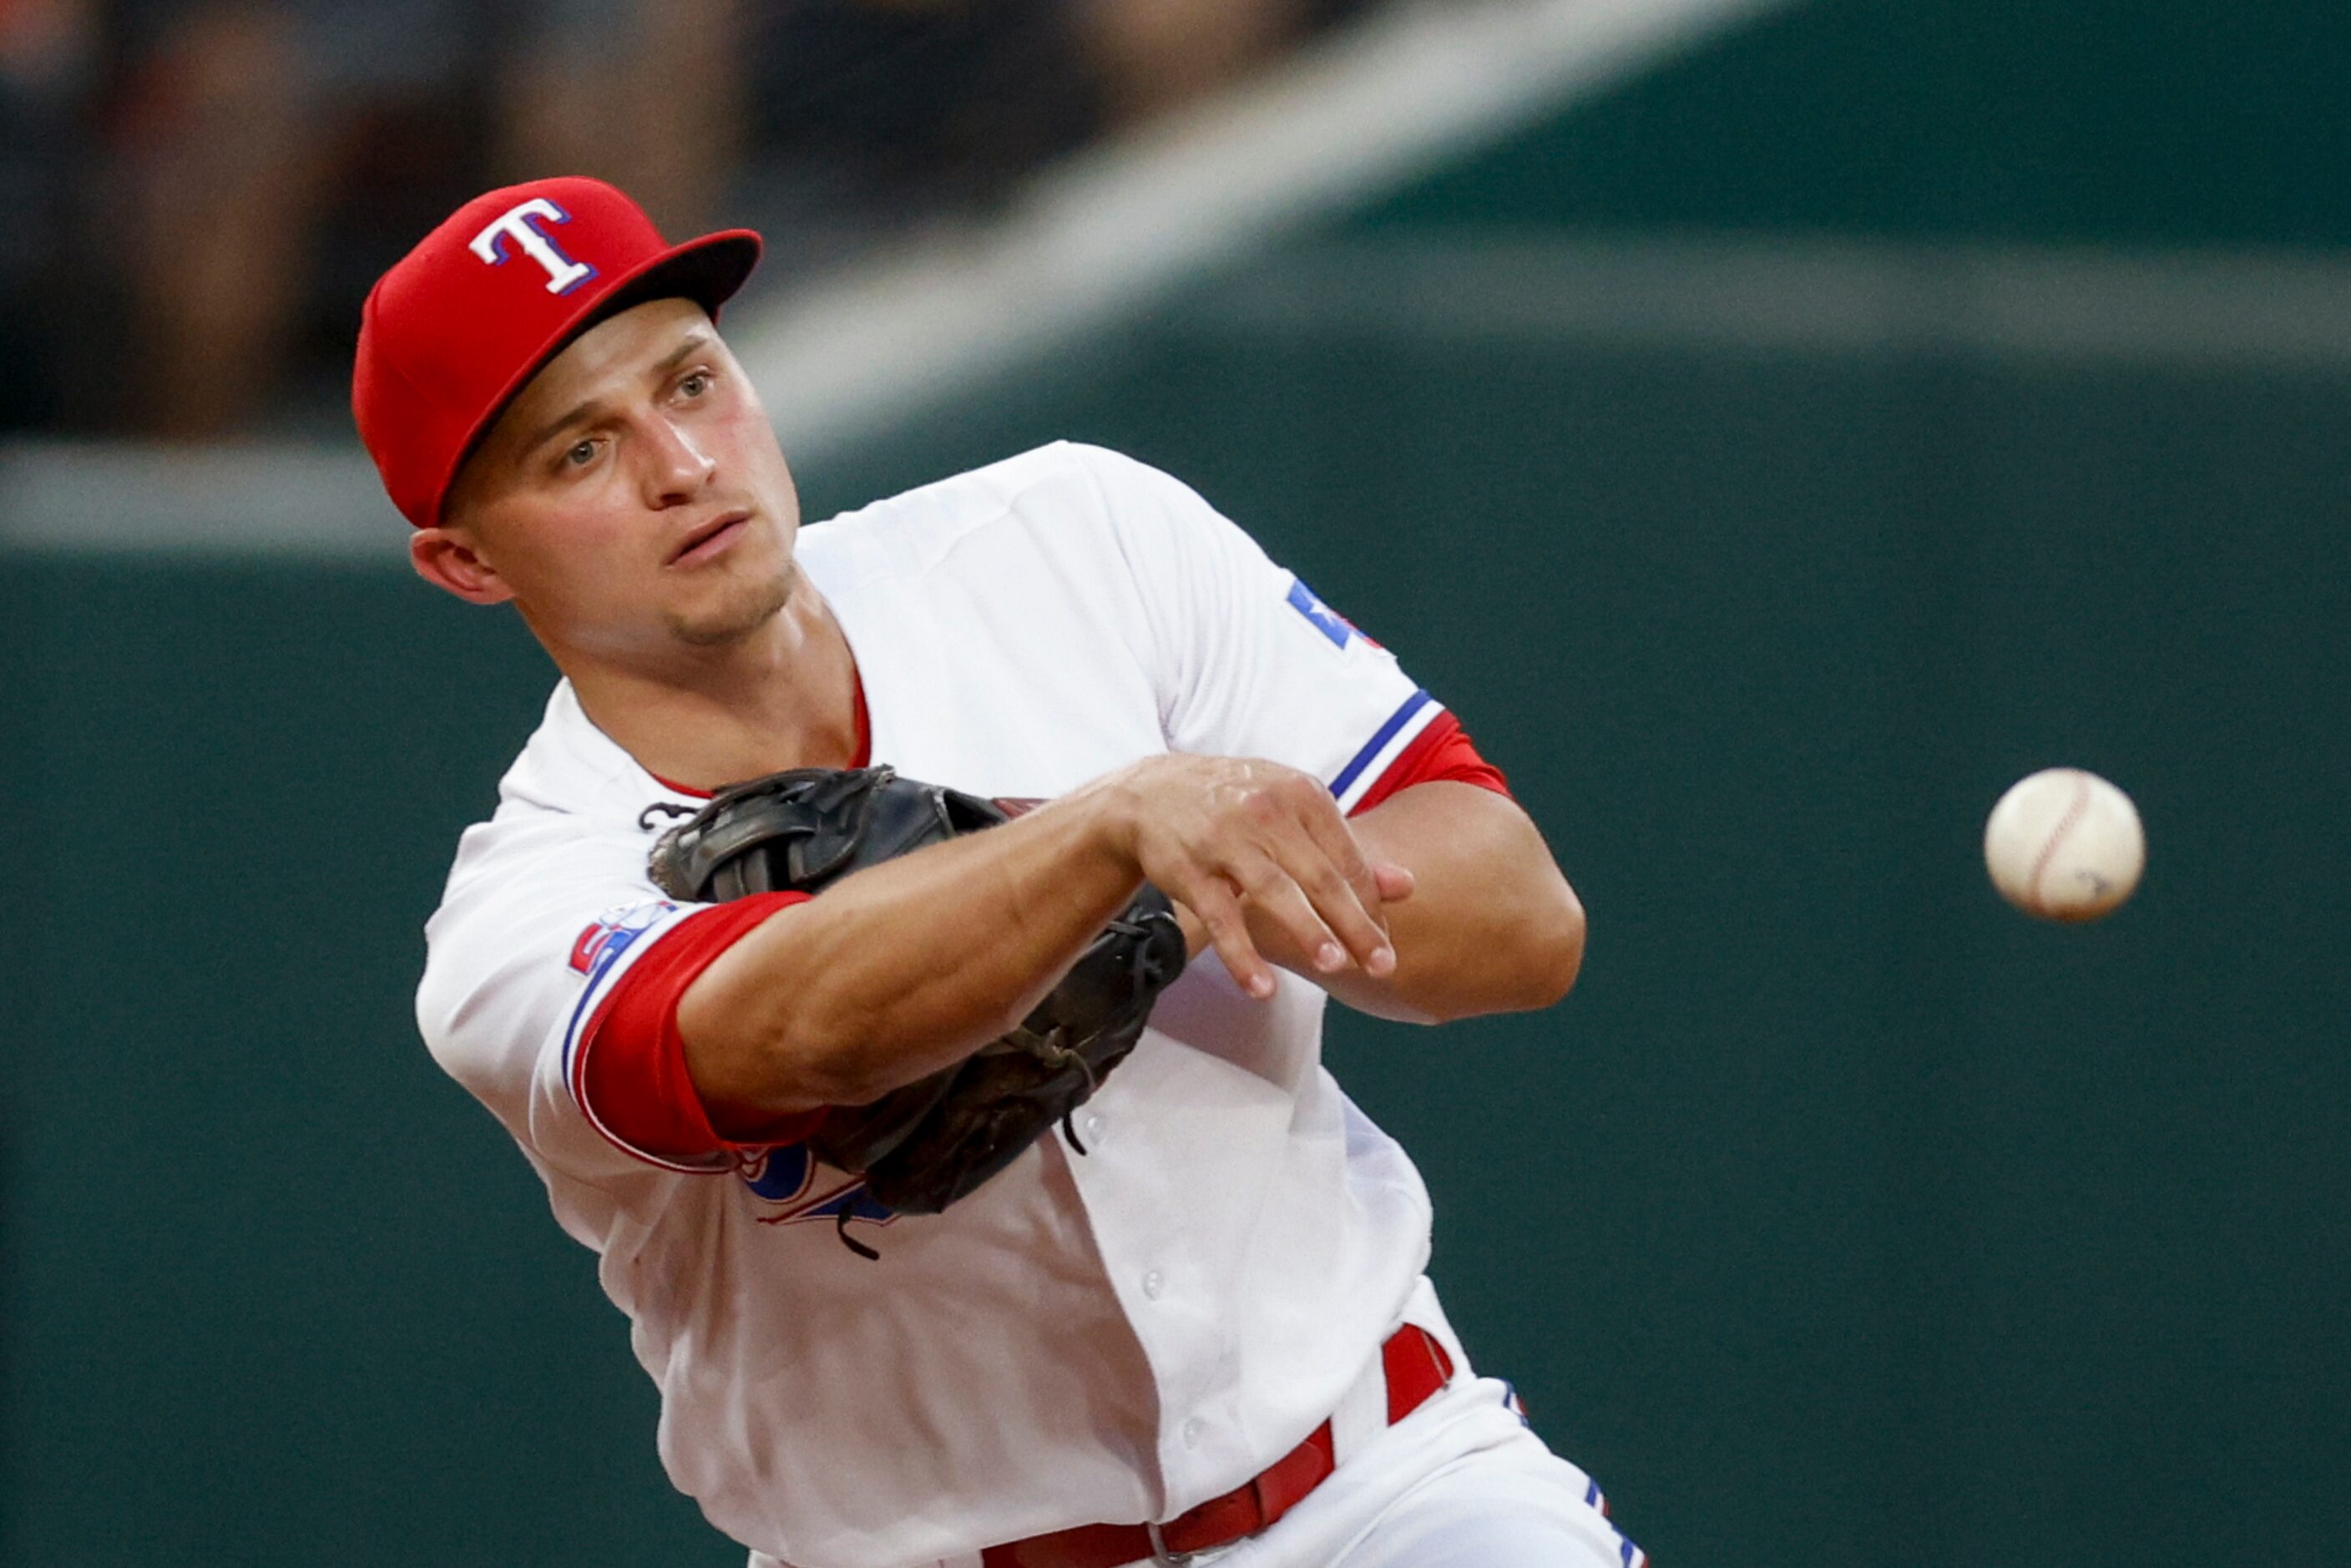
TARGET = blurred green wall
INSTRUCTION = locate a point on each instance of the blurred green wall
(1840, 1217)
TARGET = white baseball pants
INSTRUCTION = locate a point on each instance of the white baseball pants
(1459, 1483)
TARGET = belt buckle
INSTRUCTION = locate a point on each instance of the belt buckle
(1159, 1552)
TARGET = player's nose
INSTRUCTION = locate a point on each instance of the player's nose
(675, 470)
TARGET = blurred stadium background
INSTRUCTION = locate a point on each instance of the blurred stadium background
(1773, 426)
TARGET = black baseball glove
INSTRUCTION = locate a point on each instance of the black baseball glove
(925, 1146)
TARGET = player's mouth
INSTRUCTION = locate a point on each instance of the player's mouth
(711, 539)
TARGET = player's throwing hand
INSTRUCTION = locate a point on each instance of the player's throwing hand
(1261, 856)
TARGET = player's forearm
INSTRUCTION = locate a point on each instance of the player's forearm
(1491, 926)
(904, 967)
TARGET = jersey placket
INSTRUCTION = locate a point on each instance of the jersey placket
(1151, 1240)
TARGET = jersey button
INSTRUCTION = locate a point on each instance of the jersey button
(1192, 1430)
(1152, 1283)
(1094, 1125)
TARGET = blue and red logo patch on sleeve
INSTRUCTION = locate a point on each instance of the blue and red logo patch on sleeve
(1322, 618)
(608, 936)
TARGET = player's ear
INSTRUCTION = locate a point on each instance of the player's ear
(448, 558)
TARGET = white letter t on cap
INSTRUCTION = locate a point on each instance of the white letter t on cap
(563, 274)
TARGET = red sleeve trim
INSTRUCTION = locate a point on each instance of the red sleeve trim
(1442, 751)
(631, 1073)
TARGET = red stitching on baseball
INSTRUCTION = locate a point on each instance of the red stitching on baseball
(2074, 813)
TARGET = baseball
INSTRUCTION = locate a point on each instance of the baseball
(2065, 844)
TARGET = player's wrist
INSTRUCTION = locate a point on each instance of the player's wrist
(1109, 815)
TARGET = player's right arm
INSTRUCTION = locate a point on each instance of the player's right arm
(908, 967)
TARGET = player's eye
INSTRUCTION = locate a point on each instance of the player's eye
(695, 384)
(579, 455)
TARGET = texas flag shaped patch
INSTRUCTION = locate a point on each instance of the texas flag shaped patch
(1322, 617)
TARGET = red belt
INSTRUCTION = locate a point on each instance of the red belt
(1417, 1366)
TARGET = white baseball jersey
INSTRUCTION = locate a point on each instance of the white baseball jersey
(1107, 1337)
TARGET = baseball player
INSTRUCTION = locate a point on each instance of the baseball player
(1192, 1323)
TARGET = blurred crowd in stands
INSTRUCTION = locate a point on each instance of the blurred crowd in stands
(197, 193)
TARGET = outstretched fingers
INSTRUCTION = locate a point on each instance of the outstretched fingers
(1312, 900)
(1212, 900)
(1312, 926)
(1263, 858)
(1331, 868)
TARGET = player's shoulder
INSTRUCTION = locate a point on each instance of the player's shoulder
(570, 767)
(571, 800)
(1056, 466)
(1062, 488)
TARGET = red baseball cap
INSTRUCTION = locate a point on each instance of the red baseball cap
(461, 323)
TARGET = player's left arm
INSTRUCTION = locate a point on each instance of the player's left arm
(1491, 925)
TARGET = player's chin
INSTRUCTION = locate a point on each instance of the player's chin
(728, 610)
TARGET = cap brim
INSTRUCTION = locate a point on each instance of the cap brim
(708, 271)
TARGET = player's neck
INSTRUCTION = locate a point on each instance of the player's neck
(784, 696)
